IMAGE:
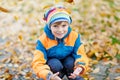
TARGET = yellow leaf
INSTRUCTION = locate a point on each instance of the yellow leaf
(47, 6)
(56, 1)
(20, 37)
(26, 20)
(7, 43)
(16, 18)
(69, 11)
(94, 61)
(99, 55)
(1, 53)
(91, 53)
(23, 66)
(7, 76)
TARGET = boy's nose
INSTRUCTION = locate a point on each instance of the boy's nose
(60, 29)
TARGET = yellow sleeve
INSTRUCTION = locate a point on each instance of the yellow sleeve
(39, 65)
(83, 61)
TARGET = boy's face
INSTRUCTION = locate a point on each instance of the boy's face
(59, 29)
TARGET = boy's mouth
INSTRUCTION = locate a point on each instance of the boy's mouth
(60, 32)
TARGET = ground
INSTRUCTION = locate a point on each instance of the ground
(21, 23)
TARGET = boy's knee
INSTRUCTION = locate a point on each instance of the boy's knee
(69, 63)
(55, 65)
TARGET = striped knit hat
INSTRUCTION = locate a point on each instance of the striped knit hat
(56, 14)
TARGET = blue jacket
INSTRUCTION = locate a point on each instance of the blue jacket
(49, 47)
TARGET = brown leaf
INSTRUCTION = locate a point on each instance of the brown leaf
(69, 1)
(4, 10)
(28, 74)
(8, 76)
(20, 36)
(99, 55)
(117, 70)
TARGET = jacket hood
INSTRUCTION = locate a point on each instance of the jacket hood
(51, 36)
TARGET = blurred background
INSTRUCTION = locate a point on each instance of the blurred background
(21, 23)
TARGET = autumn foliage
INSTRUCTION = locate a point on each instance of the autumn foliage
(21, 23)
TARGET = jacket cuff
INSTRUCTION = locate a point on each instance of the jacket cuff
(49, 75)
(81, 66)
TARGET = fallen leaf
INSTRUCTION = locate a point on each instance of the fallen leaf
(47, 6)
(16, 18)
(20, 37)
(56, 1)
(69, 1)
(117, 78)
(117, 70)
(4, 10)
(96, 70)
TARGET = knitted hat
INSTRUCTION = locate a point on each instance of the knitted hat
(56, 14)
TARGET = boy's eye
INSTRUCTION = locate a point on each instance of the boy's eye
(63, 25)
(55, 26)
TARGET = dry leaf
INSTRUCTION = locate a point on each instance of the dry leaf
(99, 56)
(109, 62)
(20, 37)
(56, 1)
(16, 18)
(95, 20)
(4, 10)
(7, 44)
(117, 78)
(93, 62)
(26, 20)
(96, 70)
(47, 6)
(91, 53)
(69, 1)
(117, 70)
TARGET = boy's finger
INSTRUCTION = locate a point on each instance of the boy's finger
(72, 76)
(56, 74)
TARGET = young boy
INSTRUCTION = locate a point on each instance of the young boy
(59, 50)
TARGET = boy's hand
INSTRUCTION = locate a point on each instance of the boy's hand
(72, 76)
(55, 76)
(76, 73)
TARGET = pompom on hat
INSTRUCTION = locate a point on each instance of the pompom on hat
(57, 13)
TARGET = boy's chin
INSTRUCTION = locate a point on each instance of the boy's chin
(60, 37)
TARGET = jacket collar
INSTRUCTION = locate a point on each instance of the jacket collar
(51, 36)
